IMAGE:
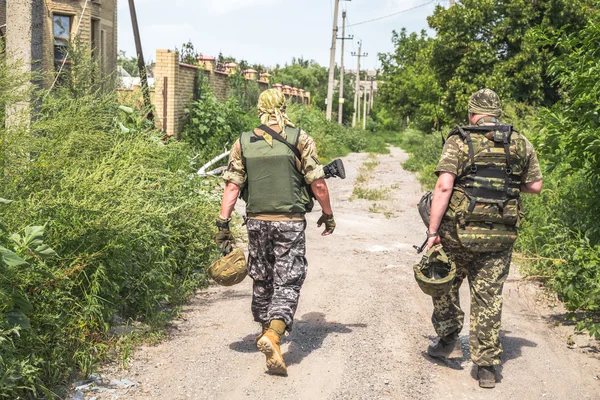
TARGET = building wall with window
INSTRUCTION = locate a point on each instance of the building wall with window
(2, 19)
(97, 29)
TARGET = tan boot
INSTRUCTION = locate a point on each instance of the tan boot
(265, 327)
(269, 343)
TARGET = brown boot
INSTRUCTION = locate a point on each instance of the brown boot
(265, 327)
(269, 343)
(487, 377)
(446, 347)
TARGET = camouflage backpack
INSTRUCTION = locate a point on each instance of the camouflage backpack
(486, 201)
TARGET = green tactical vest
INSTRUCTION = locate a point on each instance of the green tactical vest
(486, 202)
(273, 182)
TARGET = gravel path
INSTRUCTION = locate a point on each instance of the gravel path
(362, 324)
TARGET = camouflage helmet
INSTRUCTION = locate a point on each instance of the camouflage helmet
(424, 207)
(485, 102)
(229, 270)
(435, 273)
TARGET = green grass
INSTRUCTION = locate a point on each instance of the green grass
(425, 151)
(360, 192)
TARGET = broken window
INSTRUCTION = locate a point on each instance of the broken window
(62, 35)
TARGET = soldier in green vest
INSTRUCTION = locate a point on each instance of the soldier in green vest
(475, 213)
(275, 168)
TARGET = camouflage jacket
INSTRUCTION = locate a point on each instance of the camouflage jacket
(455, 159)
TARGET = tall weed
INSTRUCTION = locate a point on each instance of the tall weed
(131, 229)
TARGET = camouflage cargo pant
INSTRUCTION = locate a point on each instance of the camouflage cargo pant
(277, 264)
(486, 273)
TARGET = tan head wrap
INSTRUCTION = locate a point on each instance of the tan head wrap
(271, 108)
(485, 102)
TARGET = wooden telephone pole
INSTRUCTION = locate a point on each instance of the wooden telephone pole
(140, 58)
(331, 80)
(343, 39)
(332, 62)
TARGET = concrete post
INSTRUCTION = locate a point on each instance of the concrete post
(25, 47)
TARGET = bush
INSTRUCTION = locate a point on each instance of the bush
(562, 234)
(212, 127)
(334, 140)
(132, 230)
(425, 151)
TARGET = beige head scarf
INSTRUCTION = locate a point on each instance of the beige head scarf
(271, 108)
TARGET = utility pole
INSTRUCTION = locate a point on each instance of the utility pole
(357, 110)
(332, 62)
(331, 80)
(141, 62)
(357, 89)
(343, 39)
(371, 96)
(365, 109)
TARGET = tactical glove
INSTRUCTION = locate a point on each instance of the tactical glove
(224, 236)
(329, 222)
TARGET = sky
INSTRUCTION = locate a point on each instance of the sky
(270, 32)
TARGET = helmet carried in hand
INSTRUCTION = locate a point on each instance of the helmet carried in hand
(435, 273)
(229, 270)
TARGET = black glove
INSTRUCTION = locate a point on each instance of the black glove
(329, 222)
(224, 237)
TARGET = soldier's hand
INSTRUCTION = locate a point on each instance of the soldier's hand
(224, 236)
(329, 222)
(432, 241)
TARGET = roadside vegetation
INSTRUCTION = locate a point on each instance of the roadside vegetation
(545, 68)
(101, 225)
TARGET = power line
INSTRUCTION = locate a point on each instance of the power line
(391, 15)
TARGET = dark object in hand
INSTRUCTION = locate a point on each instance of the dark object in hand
(335, 169)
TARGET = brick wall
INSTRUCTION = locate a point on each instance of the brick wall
(220, 85)
(171, 100)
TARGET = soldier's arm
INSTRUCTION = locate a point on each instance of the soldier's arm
(532, 173)
(439, 204)
(314, 175)
(234, 178)
(532, 187)
(230, 196)
(321, 192)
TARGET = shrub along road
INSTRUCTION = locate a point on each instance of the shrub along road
(363, 324)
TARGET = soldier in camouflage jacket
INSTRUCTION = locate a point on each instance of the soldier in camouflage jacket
(481, 252)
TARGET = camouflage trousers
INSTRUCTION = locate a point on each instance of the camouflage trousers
(486, 274)
(278, 266)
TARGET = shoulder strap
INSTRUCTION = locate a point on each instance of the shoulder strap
(242, 150)
(280, 139)
(467, 137)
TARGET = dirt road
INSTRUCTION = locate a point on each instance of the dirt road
(362, 324)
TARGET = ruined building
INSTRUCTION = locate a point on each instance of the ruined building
(38, 31)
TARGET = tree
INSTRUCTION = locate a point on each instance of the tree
(410, 89)
(490, 43)
(188, 54)
(307, 75)
(129, 64)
